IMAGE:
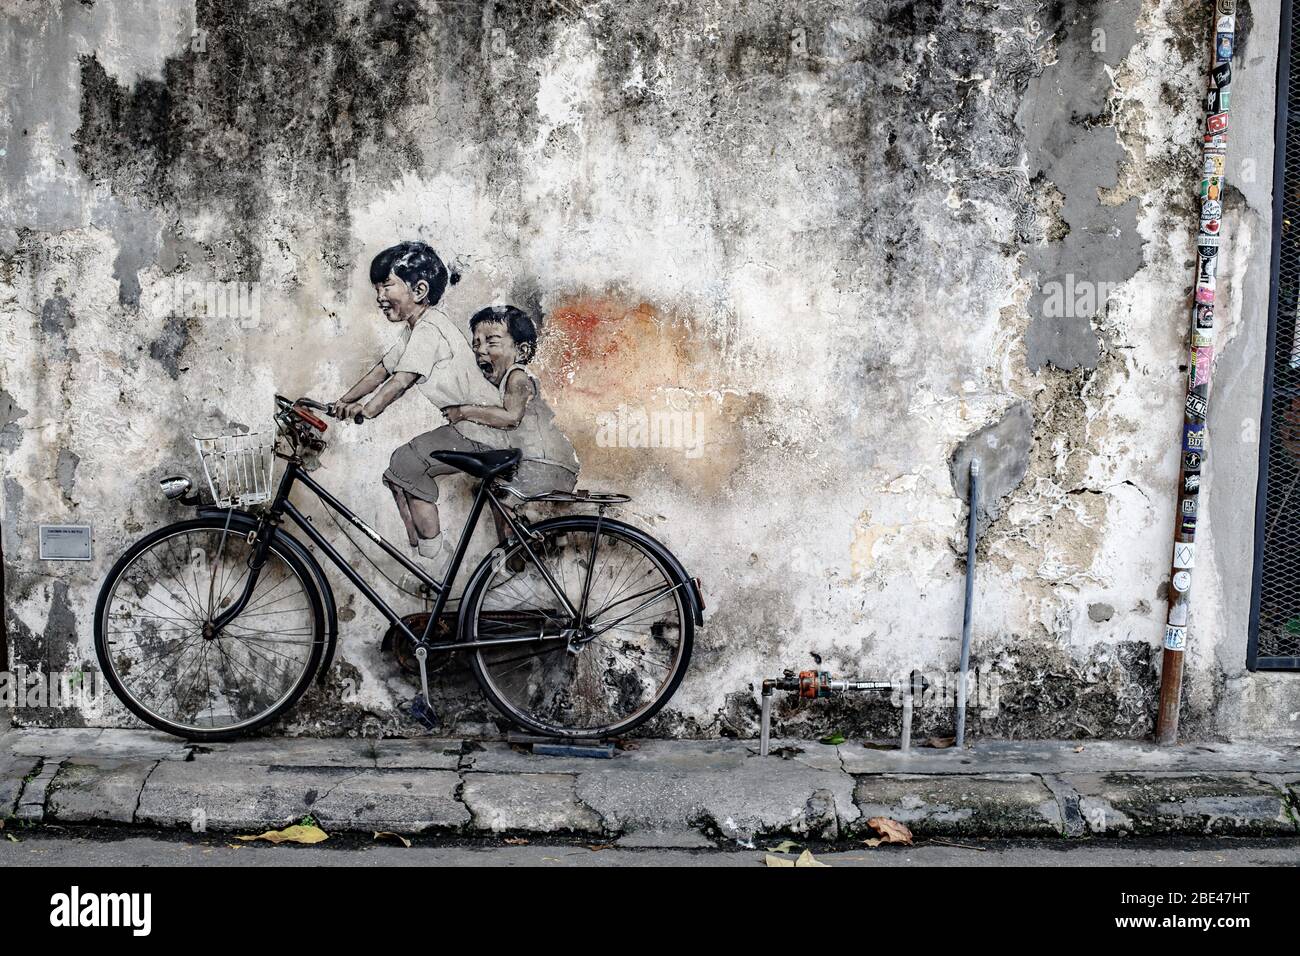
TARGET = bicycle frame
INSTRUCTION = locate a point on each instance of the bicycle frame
(281, 507)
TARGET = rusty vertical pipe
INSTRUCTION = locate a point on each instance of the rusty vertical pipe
(1193, 447)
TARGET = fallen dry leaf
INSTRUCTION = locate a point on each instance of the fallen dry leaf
(804, 859)
(389, 835)
(517, 841)
(785, 846)
(600, 846)
(941, 743)
(294, 834)
(874, 841)
(891, 831)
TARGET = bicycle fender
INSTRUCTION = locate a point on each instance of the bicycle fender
(247, 522)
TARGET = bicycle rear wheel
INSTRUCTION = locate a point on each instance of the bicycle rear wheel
(174, 673)
(622, 660)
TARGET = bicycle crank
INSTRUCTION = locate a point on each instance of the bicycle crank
(421, 710)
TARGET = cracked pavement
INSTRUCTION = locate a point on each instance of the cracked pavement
(678, 794)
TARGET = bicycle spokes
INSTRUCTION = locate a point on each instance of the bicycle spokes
(619, 652)
(169, 659)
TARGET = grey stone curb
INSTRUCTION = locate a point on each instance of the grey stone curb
(662, 793)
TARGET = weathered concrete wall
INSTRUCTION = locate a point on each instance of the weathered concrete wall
(854, 241)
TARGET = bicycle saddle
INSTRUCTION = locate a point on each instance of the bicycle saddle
(480, 464)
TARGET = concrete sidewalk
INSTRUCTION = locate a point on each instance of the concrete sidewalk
(660, 794)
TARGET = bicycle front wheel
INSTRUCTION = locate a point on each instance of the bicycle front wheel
(627, 628)
(167, 665)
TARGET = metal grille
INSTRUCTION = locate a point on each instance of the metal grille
(1275, 618)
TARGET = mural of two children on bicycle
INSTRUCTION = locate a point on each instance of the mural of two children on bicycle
(481, 385)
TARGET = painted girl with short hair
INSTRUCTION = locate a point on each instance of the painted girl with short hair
(432, 354)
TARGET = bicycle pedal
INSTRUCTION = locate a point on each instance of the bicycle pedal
(422, 713)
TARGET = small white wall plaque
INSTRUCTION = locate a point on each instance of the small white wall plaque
(65, 542)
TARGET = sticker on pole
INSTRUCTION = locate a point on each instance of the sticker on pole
(1175, 638)
(1184, 554)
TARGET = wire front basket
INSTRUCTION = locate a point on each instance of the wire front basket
(238, 467)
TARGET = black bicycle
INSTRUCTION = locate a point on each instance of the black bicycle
(575, 626)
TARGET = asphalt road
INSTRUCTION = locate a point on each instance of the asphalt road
(49, 846)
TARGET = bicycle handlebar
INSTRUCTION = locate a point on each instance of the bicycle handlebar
(357, 419)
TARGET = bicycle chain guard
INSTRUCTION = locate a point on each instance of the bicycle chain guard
(403, 650)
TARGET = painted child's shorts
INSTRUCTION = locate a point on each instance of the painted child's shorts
(413, 470)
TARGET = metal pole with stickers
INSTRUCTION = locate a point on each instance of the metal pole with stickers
(1193, 446)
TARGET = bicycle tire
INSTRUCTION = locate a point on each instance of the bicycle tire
(282, 704)
(472, 607)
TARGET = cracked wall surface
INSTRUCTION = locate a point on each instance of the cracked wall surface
(855, 242)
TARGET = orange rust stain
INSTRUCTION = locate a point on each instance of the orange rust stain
(602, 355)
(593, 343)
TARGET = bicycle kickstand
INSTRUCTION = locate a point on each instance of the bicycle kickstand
(421, 710)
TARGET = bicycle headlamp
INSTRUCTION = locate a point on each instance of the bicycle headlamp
(175, 486)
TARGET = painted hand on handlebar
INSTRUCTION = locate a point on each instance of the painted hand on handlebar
(353, 411)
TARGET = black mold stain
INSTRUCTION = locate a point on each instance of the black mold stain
(1245, 22)
(53, 649)
(60, 629)
(66, 473)
(1030, 691)
(13, 513)
(11, 433)
(167, 349)
(284, 94)
(57, 320)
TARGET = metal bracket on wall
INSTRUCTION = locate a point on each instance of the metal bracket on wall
(972, 532)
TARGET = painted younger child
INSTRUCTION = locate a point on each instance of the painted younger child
(505, 340)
